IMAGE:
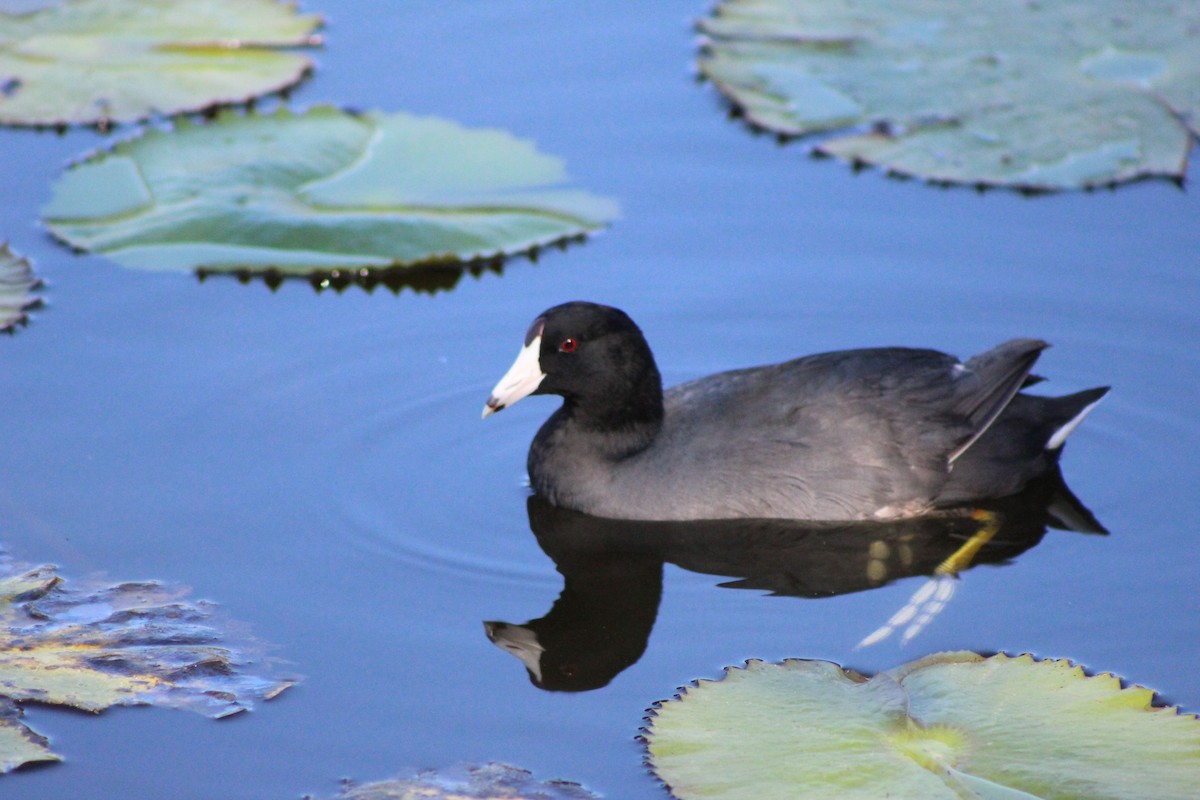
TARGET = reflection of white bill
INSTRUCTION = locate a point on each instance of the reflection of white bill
(521, 642)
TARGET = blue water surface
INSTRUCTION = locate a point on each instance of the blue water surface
(315, 462)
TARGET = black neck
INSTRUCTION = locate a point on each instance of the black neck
(629, 421)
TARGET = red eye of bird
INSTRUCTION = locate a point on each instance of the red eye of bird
(568, 345)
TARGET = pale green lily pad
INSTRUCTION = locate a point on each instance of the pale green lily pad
(492, 781)
(92, 647)
(104, 61)
(17, 281)
(18, 743)
(320, 191)
(954, 725)
(1036, 96)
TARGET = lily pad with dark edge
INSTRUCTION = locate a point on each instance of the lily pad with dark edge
(18, 744)
(105, 61)
(313, 192)
(95, 646)
(1040, 96)
(491, 781)
(952, 725)
(16, 282)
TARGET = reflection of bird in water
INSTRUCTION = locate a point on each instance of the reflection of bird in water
(612, 569)
(599, 625)
(881, 433)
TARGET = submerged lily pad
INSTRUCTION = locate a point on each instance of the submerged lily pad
(102, 61)
(18, 744)
(484, 782)
(120, 644)
(16, 282)
(1030, 95)
(953, 725)
(319, 191)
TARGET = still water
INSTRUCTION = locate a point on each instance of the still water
(315, 462)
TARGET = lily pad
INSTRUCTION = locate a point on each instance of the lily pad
(953, 725)
(1038, 96)
(103, 61)
(92, 647)
(16, 282)
(319, 191)
(18, 744)
(492, 781)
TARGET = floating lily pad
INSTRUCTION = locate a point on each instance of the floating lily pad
(954, 725)
(120, 644)
(485, 782)
(1030, 95)
(18, 744)
(16, 282)
(102, 61)
(320, 191)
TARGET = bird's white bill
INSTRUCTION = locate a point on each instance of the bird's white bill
(522, 377)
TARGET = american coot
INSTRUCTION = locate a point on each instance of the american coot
(857, 434)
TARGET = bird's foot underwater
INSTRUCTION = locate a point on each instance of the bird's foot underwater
(933, 596)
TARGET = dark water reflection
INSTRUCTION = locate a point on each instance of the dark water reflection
(422, 280)
(613, 569)
(425, 279)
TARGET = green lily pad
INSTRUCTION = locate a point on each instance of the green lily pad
(953, 725)
(1038, 96)
(92, 647)
(103, 61)
(318, 191)
(492, 781)
(18, 743)
(16, 282)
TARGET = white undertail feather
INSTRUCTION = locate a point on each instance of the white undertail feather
(1060, 436)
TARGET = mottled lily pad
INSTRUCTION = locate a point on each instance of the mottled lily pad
(484, 782)
(954, 725)
(1036, 96)
(103, 61)
(16, 282)
(316, 192)
(92, 647)
(18, 743)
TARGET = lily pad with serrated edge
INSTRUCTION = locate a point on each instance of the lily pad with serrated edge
(95, 646)
(952, 725)
(324, 190)
(104, 61)
(16, 282)
(1040, 96)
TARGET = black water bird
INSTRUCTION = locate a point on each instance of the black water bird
(879, 433)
